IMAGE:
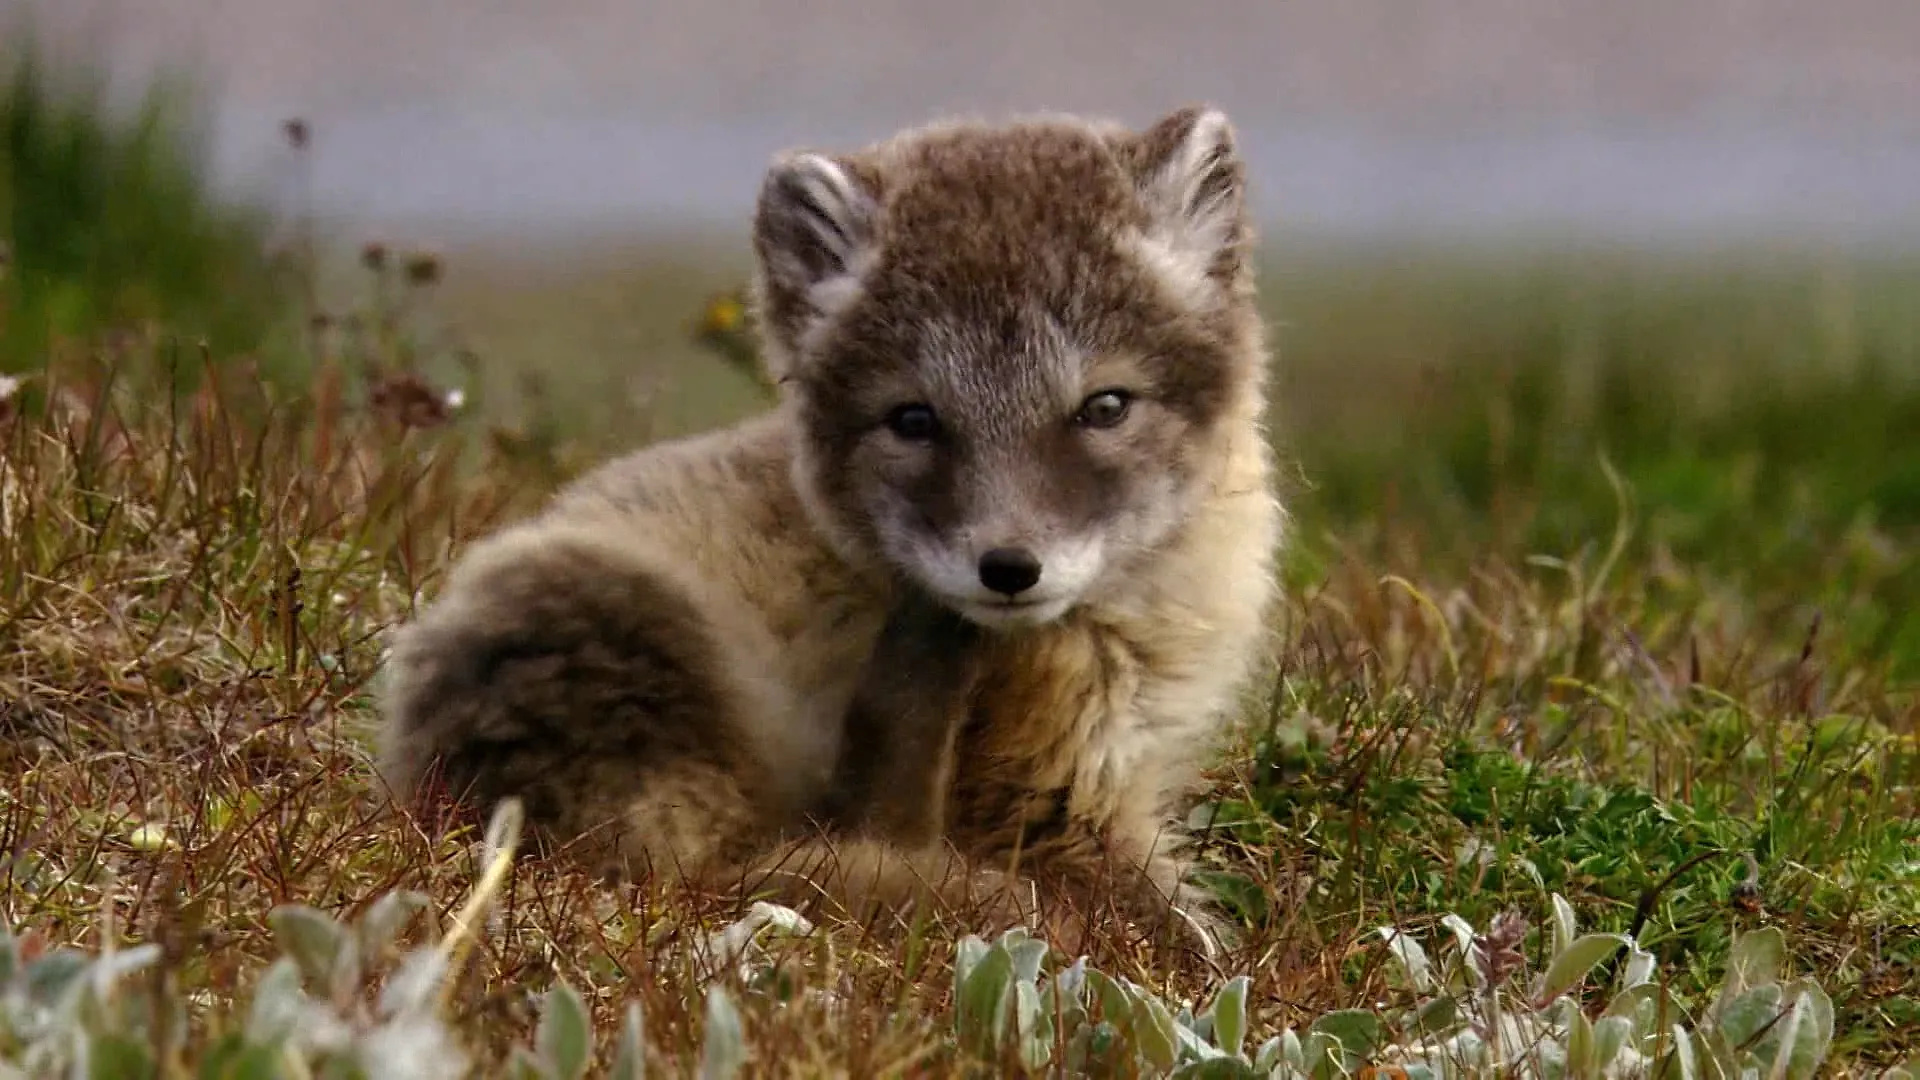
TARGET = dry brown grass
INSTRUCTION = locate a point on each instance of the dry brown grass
(200, 566)
(191, 611)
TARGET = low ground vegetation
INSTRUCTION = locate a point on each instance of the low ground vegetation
(1592, 733)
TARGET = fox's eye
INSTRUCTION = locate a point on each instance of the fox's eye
(1104, 409)
(914, 422)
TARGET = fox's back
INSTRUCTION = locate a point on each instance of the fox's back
(721, 508)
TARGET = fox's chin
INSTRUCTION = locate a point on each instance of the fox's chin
(1012, 614)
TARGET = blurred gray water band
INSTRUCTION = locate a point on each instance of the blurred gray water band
(528, 175)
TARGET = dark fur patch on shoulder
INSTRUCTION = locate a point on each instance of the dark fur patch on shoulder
(564, 680)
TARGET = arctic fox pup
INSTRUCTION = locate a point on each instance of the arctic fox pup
(1023, 391)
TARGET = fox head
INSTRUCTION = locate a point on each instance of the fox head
(1013, 351)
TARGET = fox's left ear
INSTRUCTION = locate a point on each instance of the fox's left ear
(1191, 179)
(813, 232)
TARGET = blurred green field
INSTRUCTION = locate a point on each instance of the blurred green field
(1437, 407)
(1603, 579)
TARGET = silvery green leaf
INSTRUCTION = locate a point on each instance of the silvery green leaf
(1229, 1015)
(1745, 1015)
(1548, 1058)
(1292, 1054)
(1639, 967)
(1564, 924)
(1437, 1017)
(1575, 962)
(1648, 1009)
(1754, 960)
(1070, 981)
(1463, 935)
(966, 956)
(981, 1008)
(410, 989)
(9, 955)
(1268, 1058)
(385, 918)
(1359, 1033)
(1610, 1034)
(1067, 1013)
(277, 1003)
(54, 976)
(726, 1049)
(1102, 1037)
(1412, 960)
(1027, 953)
(1682, 1063)
(523, 1065)
(1154, 1032)
(1817, 1029)
(1528, 868)
(1193, 1045)
(320, 945)
(1026, 1007)
(1795, 1045)
(1581, 1052)
(1325, 1057)
(107, 970)
(1466, 1048)
(564, 1036)
(1035, 1027)
(1776, 1049)
(1065, 995)
(1115, 1003)
(630, 1060)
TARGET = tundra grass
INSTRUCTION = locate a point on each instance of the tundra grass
(1601, 581)
(1605, 589)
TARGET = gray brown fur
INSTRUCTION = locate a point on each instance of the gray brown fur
(688, 654)
(898, 754)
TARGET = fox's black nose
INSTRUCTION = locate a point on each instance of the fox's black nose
(1009, 570)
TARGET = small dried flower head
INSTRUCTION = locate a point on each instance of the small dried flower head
(1747, 895)
(408, 401)
(296, 133)
(373, 255)
(1497, 952)
(423, 268)
(9, 389)
(724, 315)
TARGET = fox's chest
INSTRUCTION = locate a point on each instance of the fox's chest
(1061, 724)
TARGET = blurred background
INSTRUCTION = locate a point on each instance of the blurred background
(1510, 246)
(1636, 120)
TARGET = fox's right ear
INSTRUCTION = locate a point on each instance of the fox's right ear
(813, 235)
(1192, 182)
